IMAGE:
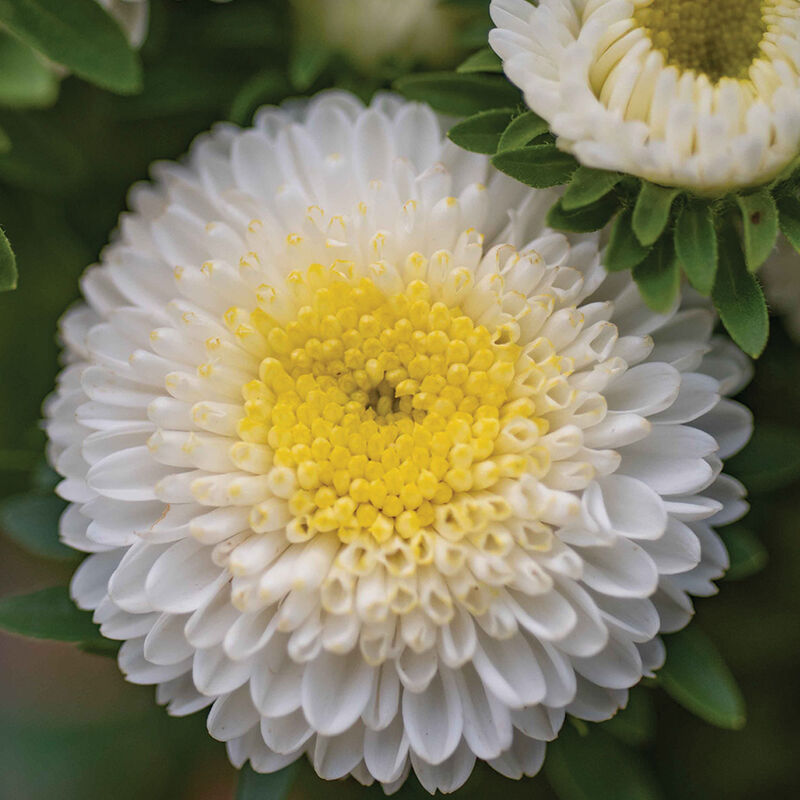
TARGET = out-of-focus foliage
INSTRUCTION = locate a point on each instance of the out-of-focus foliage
(71, 727)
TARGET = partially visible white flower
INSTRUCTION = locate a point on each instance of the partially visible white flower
(781, 279)
(375, 464)
(132, 16)
(700, 94)
(369, 32)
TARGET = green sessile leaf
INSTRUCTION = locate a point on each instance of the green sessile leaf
(696, 245)
(595, 766)
(485, 60)
(696, 676)
(481, 132)
(759, 226)
(79, 34)
(624, 250)
(738, 296)
(458, 93)
(266, 786)
(540, 165)
(263, 87)
(31, 521)
(771, 460)
(307, 63)
(8, 264)
(658, 276)
(635, 725)
(26, 80)
(747, 555)
(522, 130)
(48, 614)
(582, 220)
(789, 220)
(652, 210)
(588, 185)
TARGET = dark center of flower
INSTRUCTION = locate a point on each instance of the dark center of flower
(719, 38)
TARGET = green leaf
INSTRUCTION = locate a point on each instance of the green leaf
(738, 296)
(266, 786)
(696, 676)
(635, 725)
(48, 614)
(8, 264)
(748, 556)
(651, 213)
(771, 460)
(307, 63)
(760, 226)
(583, 220)
(481, 132)
(696, 245)
(78, 34)
(789, 220)
(540, 165)
(31, 521)
(588, 185)
(624, 249)
(263, 87)
(485, 60)
(459, 94)
(658, 276)
(522, 130)
(26, 81)
(596, 767)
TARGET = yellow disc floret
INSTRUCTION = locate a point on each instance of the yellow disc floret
(396, 413)
(718, 38)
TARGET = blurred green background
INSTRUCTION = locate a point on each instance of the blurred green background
(70, 727)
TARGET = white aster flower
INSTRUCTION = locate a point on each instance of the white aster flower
(781, 280)
(701, 94)
(369, 32)
(372, 462)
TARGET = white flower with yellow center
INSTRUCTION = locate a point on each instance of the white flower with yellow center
(374, 462)
(700, 94)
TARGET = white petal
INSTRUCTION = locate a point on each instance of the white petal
(286, 734)
(232, 715)
(447, 776)
(184, 578)
(336, 690)
(386, 751)
(433, 719)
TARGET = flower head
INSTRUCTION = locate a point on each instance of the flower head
(371, 32)
(689, 93)
(373, 461)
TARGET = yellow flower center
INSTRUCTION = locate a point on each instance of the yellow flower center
(384, 413)
(719, 38)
